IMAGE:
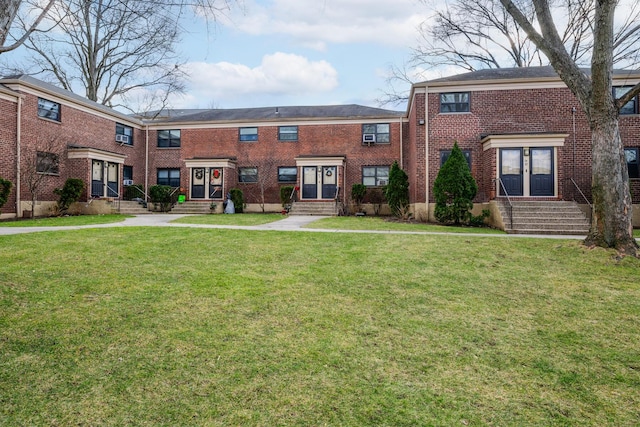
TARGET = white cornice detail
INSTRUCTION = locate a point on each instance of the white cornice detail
(523, 140)
(320, 161)
(210, 163)
(93, 153)
(264, 123)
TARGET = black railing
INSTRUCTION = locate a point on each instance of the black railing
(510, 206)
(575, 184)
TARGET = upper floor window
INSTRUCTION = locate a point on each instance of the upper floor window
(47, 163)
(375, 176)
(455, 102)
(248, 134)
(169, 138)
(170, 177)
(288, 133)
(287, 174)
(48, 109)
(378, 133)
(124, 134)
(248, 174)
(631, 155)
(630, 107)
(444, 155)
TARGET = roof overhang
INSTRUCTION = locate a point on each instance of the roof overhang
(524, 140)
(211, 163)
(320, 160)
(95, 154)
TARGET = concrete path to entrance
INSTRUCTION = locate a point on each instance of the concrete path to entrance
(290, 223)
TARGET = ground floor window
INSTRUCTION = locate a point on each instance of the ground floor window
(170, 177)
(287, 174)
(248, 175)
(47, 163)
(375, 176)
(444, 156)
(631, 155)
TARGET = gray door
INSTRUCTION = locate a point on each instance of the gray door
(197, 183)
(309, 182)
(511, 171)
(329, 182)
(542, 172)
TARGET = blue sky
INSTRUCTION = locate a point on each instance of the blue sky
(298, 52)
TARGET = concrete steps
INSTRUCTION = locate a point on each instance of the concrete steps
(128, 207)
(544, 217)
(191, 207)
(314, 208)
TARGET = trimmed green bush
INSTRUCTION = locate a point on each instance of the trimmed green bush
(135, 191)
(237, 197)
(454, 190)
(69, 193)
(358, 191)
(161, 195)
(285, 194)
(397, 192)
(5, 190)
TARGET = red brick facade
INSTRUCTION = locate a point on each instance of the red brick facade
(525, 113)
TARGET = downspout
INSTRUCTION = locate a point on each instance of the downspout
(426, 145)
(146, 164)
(18, 154)
(401, 144)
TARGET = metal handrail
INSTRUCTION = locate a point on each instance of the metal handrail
(117, 198)
(506, 193)
(581, 193)
(144, 193)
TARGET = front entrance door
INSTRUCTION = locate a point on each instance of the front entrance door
(112, 180)
(511, 171)
(197, 183)
(309, 182)
(329, 182)
(215, 183)
(97, 178)
(542, 172)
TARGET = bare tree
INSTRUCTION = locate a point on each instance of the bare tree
(120, 53)
(612, 207)
(9, 15)
(473, 35)
(42, 161)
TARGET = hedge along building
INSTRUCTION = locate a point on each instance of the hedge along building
(522, 131)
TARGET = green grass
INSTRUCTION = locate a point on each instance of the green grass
(384, 224)
(235, 219)
(65, 221)
(163, 326)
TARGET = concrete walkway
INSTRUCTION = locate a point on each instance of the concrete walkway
(290, 223)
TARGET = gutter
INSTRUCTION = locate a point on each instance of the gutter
(426, 145)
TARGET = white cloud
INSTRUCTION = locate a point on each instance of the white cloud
(278, 74)
(314, 23)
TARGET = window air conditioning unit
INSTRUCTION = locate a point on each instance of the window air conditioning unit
(369, 138)
(123, 139)
(127, 182)
(382, 182)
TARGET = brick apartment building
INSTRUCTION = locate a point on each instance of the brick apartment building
(522, 131)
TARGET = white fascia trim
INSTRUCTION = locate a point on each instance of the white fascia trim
(9, 95)
(72, 103)
(92, 153)
(319, 161)
(524, 140)
(210, 163)
(232, 125)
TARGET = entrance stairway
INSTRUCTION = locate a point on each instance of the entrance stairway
(544, 217)
(314, 208)
(190, 207)
(128, 207)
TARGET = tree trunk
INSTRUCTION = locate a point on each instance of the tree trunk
(611, 225)
(8, 11)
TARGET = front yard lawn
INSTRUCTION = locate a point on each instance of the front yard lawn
(65, 221)
(168, 326)
(245, 219)
(388, 224)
